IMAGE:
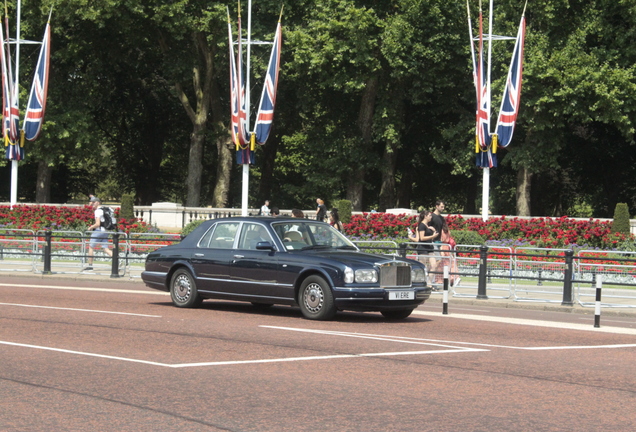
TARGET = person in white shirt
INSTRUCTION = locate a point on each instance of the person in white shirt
(265, 209)
(99, 235)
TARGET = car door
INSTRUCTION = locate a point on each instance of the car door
(254, 273)
(211, 259)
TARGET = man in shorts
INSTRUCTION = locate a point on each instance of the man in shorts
(99, 234)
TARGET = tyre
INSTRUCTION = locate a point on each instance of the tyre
(397, 314)
(316, 299)
(183, 290)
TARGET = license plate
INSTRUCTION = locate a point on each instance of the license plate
(401, 295)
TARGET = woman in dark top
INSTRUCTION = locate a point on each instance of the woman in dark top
(425, 234)
(334, 220)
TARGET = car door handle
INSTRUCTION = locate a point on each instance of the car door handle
(239, 256)
(199, 255)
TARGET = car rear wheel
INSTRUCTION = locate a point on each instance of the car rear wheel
(183, 290)
(397, 314)
(316, 299)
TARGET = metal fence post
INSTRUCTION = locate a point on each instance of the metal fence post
(47, 252)
(483, 269)
(114, 272)
(567, 278)
(403, 250)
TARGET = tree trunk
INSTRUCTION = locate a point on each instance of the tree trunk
(224, 149)
(524, 182)
(43, 186)
(470, 206)
(195, 168)
(202, 79)
(404, 190)
(267, 172)
(355, 185)
(387, 190)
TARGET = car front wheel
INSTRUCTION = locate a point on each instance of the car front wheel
(316, 299)
(183, 290)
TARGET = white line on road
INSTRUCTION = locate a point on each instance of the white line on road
(614, 321)
(80, 310)
(385, 338)
(437, 342)
(536, 323)
(239, 362)
(111, 290)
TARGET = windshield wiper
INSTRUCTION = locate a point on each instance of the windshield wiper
(347, 247)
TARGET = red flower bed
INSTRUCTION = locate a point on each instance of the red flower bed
(43, 217)
(546, 232)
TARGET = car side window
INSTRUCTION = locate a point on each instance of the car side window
(251, 234)
(221, 236)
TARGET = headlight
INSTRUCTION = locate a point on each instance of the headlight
(418, 274)
(366, 276)
(348, 275)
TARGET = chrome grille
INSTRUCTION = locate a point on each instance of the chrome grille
(395, 274)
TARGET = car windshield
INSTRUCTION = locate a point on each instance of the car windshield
(311, 235)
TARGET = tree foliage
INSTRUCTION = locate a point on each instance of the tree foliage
(375, 104)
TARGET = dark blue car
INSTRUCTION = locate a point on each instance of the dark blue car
(289, 261)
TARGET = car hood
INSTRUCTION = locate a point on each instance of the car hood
(355, 259)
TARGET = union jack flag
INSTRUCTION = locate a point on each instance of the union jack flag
(485, 157)
(512, 92)
(265, 114)
(36, 105)
(483, 95)
(10, 111)
(242, 135)
(6, 91)
(234, 92)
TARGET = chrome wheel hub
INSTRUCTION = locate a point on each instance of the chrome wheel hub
(314, 297)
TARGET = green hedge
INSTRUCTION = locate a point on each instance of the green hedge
(467, 237)
(344, 210)
(621, 219)
(191, 227)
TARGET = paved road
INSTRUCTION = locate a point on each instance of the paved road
(114, 356)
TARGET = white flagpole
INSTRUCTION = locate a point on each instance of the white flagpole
(246, 166)
(486, 170)
(14, 163)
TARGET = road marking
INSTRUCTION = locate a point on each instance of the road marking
(385, 338)
(536, 323)
(436, 307)
(82, 353)
(329, 357)
(80, 310)
(437, 342)
(451, 345)
(239, 362)
(614, 321)
(85, 289)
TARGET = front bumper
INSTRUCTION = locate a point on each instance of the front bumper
(377, 299)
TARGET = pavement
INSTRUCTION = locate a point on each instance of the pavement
(616, 302)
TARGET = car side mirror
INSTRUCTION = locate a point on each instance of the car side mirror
(264, 245)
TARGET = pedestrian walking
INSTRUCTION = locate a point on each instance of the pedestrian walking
(99, 236)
